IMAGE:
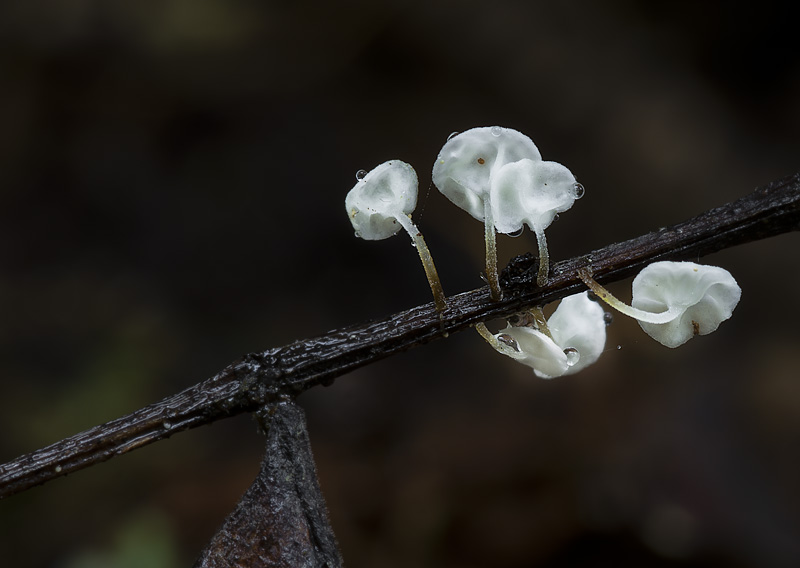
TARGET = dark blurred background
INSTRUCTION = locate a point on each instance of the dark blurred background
(172, 177)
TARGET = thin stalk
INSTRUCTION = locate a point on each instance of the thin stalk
(544, 257)
(498, 345)
(491, 251)
(427, 261)
(641, 315)
(488, 335)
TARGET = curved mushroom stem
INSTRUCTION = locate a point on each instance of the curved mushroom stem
(491, 251)
(427, 260)
(544, 257)
(487, 335)
(498, 345)
(673, 312)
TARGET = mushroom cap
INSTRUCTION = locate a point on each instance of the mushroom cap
(707, 295)
(375, 202)
(531, 192)
(577, 323)
(466, 163)
(537, 351)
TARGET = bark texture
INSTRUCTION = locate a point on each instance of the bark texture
(281, 521)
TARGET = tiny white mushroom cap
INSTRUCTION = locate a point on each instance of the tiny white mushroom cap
(578, 324)
(536, 350)
(376, 201)
(465, 165)
(707, 296)
(531, 192)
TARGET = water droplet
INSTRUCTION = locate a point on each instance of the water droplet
(555, 217)
(167, 425)
(361, 174)
(58, 469)
(452, 135)
(608, 318)
(573, 356)
(619, 347)
(506, 339)
(446, 334)
(578, 190)
(483, 277)
(414, 244)
(496, 131)
(592, 296)
(357, 234)
(516, 234)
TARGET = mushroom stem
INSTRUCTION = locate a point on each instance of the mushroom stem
(491, 251)
(427, 260)
(544, 257)
(667, 316)
(488, 336)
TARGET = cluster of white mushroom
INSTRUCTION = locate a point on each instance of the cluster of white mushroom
(497, 175)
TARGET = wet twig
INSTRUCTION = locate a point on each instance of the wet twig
(259, 379)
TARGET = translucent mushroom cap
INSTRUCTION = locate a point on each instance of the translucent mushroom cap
(579, 336)
(579, 323)
(706, 296)
(467, 161)
(532, 192)
(536, 350)
(377, 199)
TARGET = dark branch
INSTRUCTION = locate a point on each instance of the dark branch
(260, 378)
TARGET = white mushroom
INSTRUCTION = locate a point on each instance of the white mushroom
(705, 296)
(468, 160)
(497, 175)
(533, 193)
(577, 336)
(379, 205)
(674, 301)
(380, 198)
(463, 172)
